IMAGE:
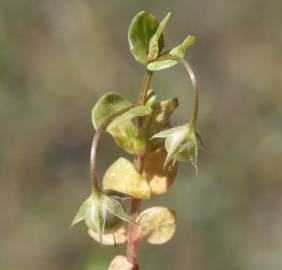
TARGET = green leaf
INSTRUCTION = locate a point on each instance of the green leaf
(181, 48)
(160, 65)
(82, 210)
(128, 138)
(122, 177)
(151, 98)
(107, 105)
(122, 129)
(135, 112)
(157, 224)
(142, 28)
(178, 51)
(154, 49)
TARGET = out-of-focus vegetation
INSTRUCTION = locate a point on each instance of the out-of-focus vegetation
(58, 57)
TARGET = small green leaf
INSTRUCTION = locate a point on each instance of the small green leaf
(135, 112)
(178, 51)
(122, 129)
(181, 48)
(158, 224)
(107, 105)
(128, 138)
(122, 177)
(151, 98)
(142, 28)
(82, 210)
(160, 65)
(154, 48)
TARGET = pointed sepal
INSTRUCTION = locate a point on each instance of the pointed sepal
(80, 215)
(180, 143)
(102, 214)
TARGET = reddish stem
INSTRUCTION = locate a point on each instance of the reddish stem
(132, 235)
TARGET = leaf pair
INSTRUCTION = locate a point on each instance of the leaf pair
(155, 179)
(146, 40)
(177, 51)
(145, 37)
(157, 225)
(180, 143)
(121, 128)
(102, 214)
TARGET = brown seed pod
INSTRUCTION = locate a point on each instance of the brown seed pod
(158, 177)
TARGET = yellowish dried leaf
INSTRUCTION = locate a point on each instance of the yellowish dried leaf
(120, 263)
(121, 176)
(115, 238)
(158, 177)
(158, 224)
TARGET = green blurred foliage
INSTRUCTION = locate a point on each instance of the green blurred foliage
(58, 57)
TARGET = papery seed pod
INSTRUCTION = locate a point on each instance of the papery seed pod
(160, 178)
(116, 237)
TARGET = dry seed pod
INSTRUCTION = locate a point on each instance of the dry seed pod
(158, 177)
(120, 263)
(122, 177)
(117, 237)
(158, 224)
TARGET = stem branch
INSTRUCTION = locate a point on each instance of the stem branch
(189, 70)
(96, 140)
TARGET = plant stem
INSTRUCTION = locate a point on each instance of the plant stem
(96, 140)
(145, 86)
(132, 241)
(132, 233)
(189, 70)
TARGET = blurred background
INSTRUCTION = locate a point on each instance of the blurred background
(58, 57)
